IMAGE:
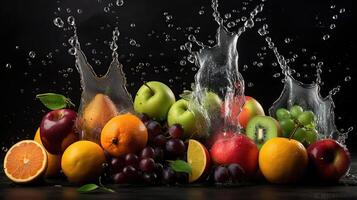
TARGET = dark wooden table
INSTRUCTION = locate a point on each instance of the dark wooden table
(345, 190)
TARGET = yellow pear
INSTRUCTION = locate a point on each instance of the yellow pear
(98, 112)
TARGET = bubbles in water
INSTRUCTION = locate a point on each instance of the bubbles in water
(132, 25)
(58, 22)
(231, 24)
(228, 16)
(333, 6)
(263, 30)
(335, 17)
(348, 78)
(332, 26)
(119, 3)
(68, 10)
(182, 48)
(32, 54)
(79, 11)
(201, 12)
(326, 37)
(168, 18)
(72, 51)
(106, 9)
(287, 40)
(335, 90)
(342, 10)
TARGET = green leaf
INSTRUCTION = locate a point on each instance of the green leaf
(54, 101)
(87, 188)
(180, 166)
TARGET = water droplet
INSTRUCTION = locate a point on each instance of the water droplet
(243, 19)
(8, 66)
(168, 17)
(132, 25)
(79, 11)
(182, 62)
(191, 58)
(201, 12)
(260, 65)
(71, 21)
(332, 26)
(72, 51)
(119, 2)
(106, 9)
(58, 22)
(227, 15)
(32, 54)
(342, 10)
(249, 23)
(287, 40)
(326, 37)
(250, 84)
(276, 75)
(347, 78)
(231, 24)
(68, 10)
(333, 6)
(97, 62)
(132, 42)
(191, 38)
(4, 149)
(313, 58)
(335, 17)
(182, 48)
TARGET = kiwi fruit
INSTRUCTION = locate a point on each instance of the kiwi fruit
(262, 128)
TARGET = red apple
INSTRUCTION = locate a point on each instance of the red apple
(57, 130)
(250, 109)
(238, 149)
(217, 136)
(329, 160)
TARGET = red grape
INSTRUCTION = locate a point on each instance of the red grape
(176, 131)
(119, 178)
(175, 147)
(132, 159)
(168, 176)
(117, 164)
(236, 171)
(153, 127)
(159, 140)
(130, 173)
(147, 152)
(147, 165)
(221, 174)
(158, 154)
(149, 178)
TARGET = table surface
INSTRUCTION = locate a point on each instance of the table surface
(345, 190)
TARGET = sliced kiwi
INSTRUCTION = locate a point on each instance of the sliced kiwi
(262, 128)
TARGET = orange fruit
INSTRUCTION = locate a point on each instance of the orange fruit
(198, 158)
(53, 161)
(124, 134)
(25, 161)
(82, 161)
(283, 160)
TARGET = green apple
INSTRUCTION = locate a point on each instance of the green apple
(154, 99)
(212, 103)
(180, 113)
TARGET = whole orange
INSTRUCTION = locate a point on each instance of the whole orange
(283, 160)
(124, 134)
(54, 161)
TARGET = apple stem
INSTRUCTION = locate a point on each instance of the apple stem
(149, 88)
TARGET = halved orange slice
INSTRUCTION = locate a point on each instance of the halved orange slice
(25, 161)
(198, 158)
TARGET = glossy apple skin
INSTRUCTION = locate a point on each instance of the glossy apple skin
(57, 130)
(329, 160)
(237, 149)
(250, 109)
(179, 113)
(155, 101)
(218, 136)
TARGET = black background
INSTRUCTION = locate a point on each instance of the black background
(28, 26)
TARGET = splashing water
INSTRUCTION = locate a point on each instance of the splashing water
(102, 97)
(218, 73)
(306, 95)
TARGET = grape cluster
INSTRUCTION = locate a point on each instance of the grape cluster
(299, 124)
(233, 173)
(149, 166)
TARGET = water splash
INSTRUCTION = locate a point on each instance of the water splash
(218, 73)
(112, 85)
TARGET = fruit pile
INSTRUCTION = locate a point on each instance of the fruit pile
(163, 142)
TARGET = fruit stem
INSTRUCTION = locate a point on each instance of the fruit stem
(295, 129)
(149, 88)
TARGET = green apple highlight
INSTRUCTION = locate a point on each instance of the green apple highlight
(154, 99)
